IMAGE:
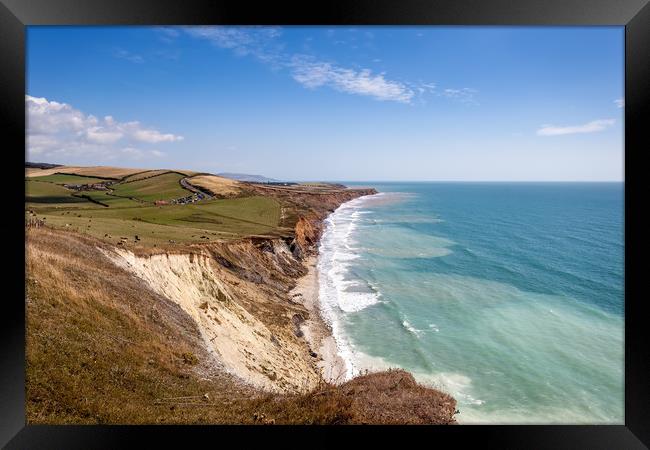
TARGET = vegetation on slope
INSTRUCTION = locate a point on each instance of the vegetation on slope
(39, 192)
(126, 210)
(104, 348)
(217, 186)
(98, 171)
(60, 178)
(160, 187)
(201, 222)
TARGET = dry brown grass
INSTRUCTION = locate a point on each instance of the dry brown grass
(94, 171)
(219, 186)
(144, 175)
(103, 348)
(391, 398)
(36, 172)
(100, 171)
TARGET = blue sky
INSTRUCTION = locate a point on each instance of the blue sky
(332, 103)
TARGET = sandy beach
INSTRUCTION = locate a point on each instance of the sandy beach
(317, 333)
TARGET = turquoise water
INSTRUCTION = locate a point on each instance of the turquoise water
(509, 296)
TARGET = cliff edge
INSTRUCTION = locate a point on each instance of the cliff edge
(195, 332)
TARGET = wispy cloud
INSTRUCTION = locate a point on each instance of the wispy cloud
(312, 74)
(620, 102)
(265, 44)
(58, 129)
(590, 127)
(125, 54)
(167, 34)
(259, 42)
(464, 95)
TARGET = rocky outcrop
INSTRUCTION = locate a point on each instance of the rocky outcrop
(307, 232)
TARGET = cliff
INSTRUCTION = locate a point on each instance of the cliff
(194, 333)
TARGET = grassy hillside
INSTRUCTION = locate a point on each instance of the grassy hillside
(99, 171)
(219, 186)
(127, 209)
(160, 187)
(107, 344)
(102, 347)
(223, 219)
(44, 193)
(68, 179)
(108, 199)
(143, 175)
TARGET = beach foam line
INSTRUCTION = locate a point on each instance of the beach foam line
(408, 327)
(339, 292)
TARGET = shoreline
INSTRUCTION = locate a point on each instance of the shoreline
(317, 333)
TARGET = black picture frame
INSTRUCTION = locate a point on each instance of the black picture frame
(15, 15)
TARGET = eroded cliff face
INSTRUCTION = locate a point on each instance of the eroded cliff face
(244, 321)
(307, 233)
(187, 334)
(311, 209)
(237, 292)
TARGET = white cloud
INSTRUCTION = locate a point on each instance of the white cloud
(57, 129)
(103, 135)
(620, 102)
(257, 41)
(264, 44)
(124, 54)
(312, 74)
(148, 135)
(464, 95)
(167, 34)
(590, 127)
(50, 117)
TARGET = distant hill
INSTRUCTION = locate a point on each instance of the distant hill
(37, 165)
(247, 177)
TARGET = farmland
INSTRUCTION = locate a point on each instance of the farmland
(217, 185)
(61, 178)
(165, 186)
(215, 219)
(40, 192)
(109, 264)
(126, 212)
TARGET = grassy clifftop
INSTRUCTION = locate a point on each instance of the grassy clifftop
(164, 207)
(102, 347)
(176, 341)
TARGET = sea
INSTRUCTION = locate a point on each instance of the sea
(508, 296)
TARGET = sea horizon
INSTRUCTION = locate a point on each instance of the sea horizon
(461, 181)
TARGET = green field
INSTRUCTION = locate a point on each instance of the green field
(42, 193)
(46, 196)
(143, 175)
(62, 178)
(161, 187)
(214, 219)
(110, 200)
(128, 211)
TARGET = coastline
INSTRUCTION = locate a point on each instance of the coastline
(315, 330)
